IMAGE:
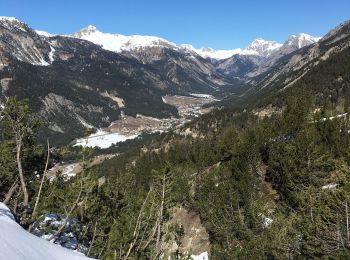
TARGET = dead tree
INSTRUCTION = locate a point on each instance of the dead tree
(138, 226)
(42, 180)
(11, 191)
(56, 235)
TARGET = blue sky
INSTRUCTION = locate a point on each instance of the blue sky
(221, 24)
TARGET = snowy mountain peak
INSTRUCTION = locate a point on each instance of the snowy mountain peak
(263, 47)
(88, 30)
(11, 23)
(301, 40)
(208, 52)
(7, 18)
(119, 42)
(43, 33)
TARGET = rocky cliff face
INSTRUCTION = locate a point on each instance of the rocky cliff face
(288, 69)
(263, 55)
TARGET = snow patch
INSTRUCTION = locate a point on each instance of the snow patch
(45, 34)
(330, 186)
(333, 117)
(202, 256)
(103, 139)
(51, 54)
(206, 96)
(16, 243)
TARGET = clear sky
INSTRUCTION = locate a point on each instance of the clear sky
(221, 24)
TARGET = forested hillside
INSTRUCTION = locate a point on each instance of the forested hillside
(273, 187)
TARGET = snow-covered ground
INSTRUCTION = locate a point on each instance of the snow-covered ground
(67, 171)
(202, 256)
(331, 186)
(16, 243)
(206, 96)
(103, 139)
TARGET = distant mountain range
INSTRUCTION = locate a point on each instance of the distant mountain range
(74, 81)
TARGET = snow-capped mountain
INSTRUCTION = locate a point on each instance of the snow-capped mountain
(293, 43)
(263, 47)
(211, 53)
(287, 70)
(45, 34)
(260, 55)
(301, 40)
(119, 42)
(137, 69)
(140, 70)
(258, 47)
(26, 46)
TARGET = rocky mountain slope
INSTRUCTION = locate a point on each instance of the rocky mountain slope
(263, 54)
(291, 68)
(89, 78)
(73, 83)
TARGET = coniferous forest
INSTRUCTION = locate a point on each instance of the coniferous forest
(273, 188)
(262, 173)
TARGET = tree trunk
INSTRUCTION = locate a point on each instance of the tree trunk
(11, 191)
(20, 170)
(347, 220)
(42, 180)
(137, 225)
(93, 239)
(60, 230)
(158, 246)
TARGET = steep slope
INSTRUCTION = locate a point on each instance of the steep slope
(322, 68)
(81, 85)
(262, 47)
(240, 65)
(290, 68)
(182, 68)
(19, 41)
(73, 83)
(16, 243)
(260, 55)
(294, 42)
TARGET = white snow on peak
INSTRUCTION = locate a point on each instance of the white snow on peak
(12, 23)
(301, 40)
(211, 53)
(8, 18)
(259, 47)
(119, 42)
(16, 243)
(43, 33)
(263, 47)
